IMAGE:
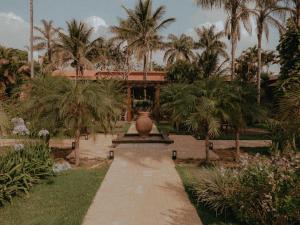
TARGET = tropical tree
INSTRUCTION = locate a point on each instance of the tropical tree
(75, 106)
(46, 40)
(289, 116)
(247, 64)
(199, 106)
(75, 47)
(141, 29)
(242, 108)
(237, 13)
(179, 48)
(294, 9)
(289, 55)
(12, 63)
(31, 61)
(210, 41)
(266, 12)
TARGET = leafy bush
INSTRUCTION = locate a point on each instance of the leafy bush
(263, 192)
(20, 170)
(214, 188)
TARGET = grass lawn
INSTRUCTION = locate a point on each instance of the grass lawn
(229, 136)
(64, 201)
(188, 174)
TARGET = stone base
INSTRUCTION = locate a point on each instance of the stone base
(135, 138)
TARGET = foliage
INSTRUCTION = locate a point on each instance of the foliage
(261, 192)
(75, 106)
(182, 72)
(63, 201)
(20, 170)
(247, 66)
(46, 41)
(141, 29)
(12, 69)
(179, 48)
(289, 54)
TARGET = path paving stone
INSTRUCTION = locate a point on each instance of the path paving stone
(142, 187)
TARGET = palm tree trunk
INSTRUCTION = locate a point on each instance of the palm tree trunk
(150, 61)
(237, 145)
(145, 66)
(76, 151)
(259, 68)
(207, 148)
(298, 12)
(31, 39)
(233, 50)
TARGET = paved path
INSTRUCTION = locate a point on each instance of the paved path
(142, 187)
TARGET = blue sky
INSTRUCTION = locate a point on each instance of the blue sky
(14, 18)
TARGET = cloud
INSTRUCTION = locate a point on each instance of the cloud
(99, 25)
(14, 30)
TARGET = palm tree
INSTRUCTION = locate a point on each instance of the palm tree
(76, 107)
(213, 50)
(31, 38)
(141, 29)
(179, 48)
(12, 65)
(237, 13)
(199, 106)
(210, 41)
(266, 12)
(241, 108)
(295, 9)
(75, 46)
(47, 38)
(289, 115)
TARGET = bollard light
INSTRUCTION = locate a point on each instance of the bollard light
(73, 145)
(211, 146)
(174, 155)
(111, 155)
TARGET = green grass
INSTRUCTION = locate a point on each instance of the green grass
(188, 174)
(64, 201)
(229, 136)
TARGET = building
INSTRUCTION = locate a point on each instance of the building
(137, 88)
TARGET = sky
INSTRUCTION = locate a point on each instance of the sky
(100, 14)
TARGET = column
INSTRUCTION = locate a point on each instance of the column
(157, 102)
(129, 104)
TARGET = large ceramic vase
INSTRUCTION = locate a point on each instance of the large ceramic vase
(144, 124)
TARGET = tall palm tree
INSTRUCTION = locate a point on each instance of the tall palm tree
(141, 29)
(237, 12)
(179, 48)
(213, 51)
(46, 39)
(210, 40)
(295, 9)
(75, 46)
(74, 107)
(31, 38)
(266, 12)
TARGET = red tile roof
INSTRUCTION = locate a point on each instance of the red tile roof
(93, 75)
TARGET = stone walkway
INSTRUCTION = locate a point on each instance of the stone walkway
(142, 187)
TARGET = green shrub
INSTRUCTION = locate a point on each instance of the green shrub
(268, 194)
(214, 188)
(263, 192)
(20, 170)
